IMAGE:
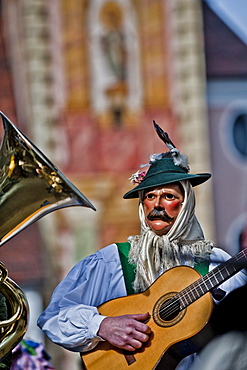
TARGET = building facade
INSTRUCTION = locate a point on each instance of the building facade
(84, 80)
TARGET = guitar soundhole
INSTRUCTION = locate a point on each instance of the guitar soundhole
(167, 310)
(169, 314)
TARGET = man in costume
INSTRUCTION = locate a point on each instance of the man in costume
(170, 236)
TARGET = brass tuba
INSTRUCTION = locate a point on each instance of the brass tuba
(30, 187)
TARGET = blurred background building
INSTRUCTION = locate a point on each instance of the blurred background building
(83, 80)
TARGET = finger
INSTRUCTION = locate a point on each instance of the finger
(143, 328)
(141, 316)
(135, 344)
(141, 337)
(128, 347)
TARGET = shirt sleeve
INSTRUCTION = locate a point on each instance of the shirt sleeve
(72, 319)
(239, 279)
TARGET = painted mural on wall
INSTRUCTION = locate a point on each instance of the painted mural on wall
(114, 60)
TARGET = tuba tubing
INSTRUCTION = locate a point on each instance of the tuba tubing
(31, 186)
(13, 329)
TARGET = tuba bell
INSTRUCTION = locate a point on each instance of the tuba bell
(30, 187)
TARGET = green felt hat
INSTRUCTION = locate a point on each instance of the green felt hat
(165, 171)
(165, 168)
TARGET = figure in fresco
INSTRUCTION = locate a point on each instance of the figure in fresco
(113, 45)
(113, 41)
(115, 61)
(170, 236)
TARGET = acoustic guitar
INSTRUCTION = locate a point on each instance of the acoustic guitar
(180, 305)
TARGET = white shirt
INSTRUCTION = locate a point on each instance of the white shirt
(72, 319)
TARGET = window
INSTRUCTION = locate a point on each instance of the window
(240, 134)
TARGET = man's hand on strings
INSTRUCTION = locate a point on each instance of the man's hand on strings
(128, 332)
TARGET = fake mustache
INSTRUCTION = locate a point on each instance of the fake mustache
(162, 215)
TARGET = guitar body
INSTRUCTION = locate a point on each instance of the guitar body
(165, 332)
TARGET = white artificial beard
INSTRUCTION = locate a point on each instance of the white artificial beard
(153, 254)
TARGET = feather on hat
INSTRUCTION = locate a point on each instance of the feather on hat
(165, 168)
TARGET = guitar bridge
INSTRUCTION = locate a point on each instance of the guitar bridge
(130, 358)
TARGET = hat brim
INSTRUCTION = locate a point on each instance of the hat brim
(195, 179)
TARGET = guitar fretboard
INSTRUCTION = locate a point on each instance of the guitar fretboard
(212, 280)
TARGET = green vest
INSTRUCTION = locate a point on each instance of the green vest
(129, 270)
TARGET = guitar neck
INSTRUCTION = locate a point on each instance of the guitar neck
(212, 280)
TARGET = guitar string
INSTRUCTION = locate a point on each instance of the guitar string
(170, 306)
(186, 294)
